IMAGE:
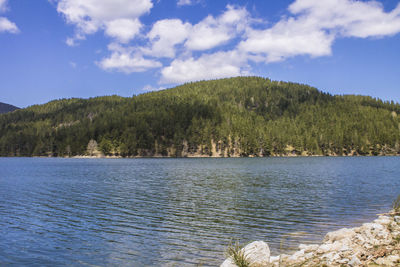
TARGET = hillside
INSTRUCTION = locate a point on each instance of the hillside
(4, 108)
(243, 116)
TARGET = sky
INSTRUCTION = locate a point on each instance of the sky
(53, 49)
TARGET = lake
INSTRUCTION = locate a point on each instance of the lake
(180, 212)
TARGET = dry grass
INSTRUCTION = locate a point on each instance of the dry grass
(237, 254)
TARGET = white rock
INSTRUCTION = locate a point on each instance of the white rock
(324, 248)
(309, 255)
(339, 235)
(373, 226)
(344, 247)
(308, 248)
(331, 256)
(383, 220)
(256, 252)
(354, 261)
(274, 259)
(228, 263)
(343, 261)
(297, 256)
(397, 219)
(388, 261)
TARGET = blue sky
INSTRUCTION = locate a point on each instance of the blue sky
(82, 48)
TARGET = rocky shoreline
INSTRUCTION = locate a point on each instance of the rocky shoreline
(371, 244)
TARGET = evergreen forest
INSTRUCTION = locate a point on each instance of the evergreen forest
(234, 117)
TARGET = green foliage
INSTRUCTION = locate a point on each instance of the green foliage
(243, 116)
(237, 254)
(396, 205)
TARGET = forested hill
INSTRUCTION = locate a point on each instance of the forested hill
(243, 116)
(4, 108)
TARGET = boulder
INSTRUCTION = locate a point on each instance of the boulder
(339, 235)
(257, 254)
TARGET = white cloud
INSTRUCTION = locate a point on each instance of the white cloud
(8, 26)
(126, 60)
(5, 24)
(309, 28)
(119, 18)
(351, 18)
(208, 66)
(164, 35)
(150, 88)
(315, 24)
(212, 32)
(123, 29)
(3, 5)
(288, 38)
(185, 2)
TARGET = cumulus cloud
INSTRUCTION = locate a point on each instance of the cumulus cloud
(8, 26)
(224, 45)
(208, 66)
(212, 32)
(126, 60)
(119, 18)
(287, 38)
(314, 25)
(5, 24)
(123, 29)
(165, 35)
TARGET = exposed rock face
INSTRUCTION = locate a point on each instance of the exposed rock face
(372, 244)
(257, 254)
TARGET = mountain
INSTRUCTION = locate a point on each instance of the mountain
(242, 116)
(4, 108)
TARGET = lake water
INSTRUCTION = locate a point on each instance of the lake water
(180, 212)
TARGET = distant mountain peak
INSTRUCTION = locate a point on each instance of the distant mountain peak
(4, 108)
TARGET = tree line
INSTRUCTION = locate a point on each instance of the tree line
(242, 116)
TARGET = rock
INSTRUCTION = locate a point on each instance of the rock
(388, 261)
(343, 261)
(274, 259)
(308, 248)
(299, 255)
(397, 219)
(331, 256)
(354, 261)
(324, 248)
(309, 255)
(383, 220)
(257, 253)
(228, 263)
(339, 235)
(373, 226)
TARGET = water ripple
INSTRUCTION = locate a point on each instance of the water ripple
(180, 212)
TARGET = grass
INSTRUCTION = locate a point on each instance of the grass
(237, 254)
(396, 205)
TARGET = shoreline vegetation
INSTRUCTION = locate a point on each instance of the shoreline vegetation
(206, 156)
(233, 117)
(371, 245)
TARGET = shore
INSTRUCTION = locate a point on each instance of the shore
(371, 244)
